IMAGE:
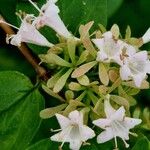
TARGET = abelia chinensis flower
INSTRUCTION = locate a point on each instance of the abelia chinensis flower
(49, 16)
(116, 124)
(73, 130)
(29, 34)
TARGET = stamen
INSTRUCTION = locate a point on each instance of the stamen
(116, 145)
(126, 144)
(1, 21)
(57, 130)
(35, 6)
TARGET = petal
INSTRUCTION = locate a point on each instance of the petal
(86, 133)
(105, 136)
(109, 110)
(130, 50)
(101, 56)
(147, 67)
(63, 121)
(141, 56)
(75, 144)
(76, 117)
(125, 72)
(102, 123)
(138, 79)
(119, 114)
(146, 36)
(99, 43)
(131, 122)
(108, 35)
(62, 136)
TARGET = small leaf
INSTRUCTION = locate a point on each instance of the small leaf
(83, 69)
(71, 45)
(135, 42)
(132, 91)
(83, 57)
(128, 33)
(52, 81)
(137, 113)
(103, 75)
(113, 75)
(62, 81)
(69, 95)
(115, 85)
(92, 97)
(50, 112)
(120, 101)
(50, 92)
(99, 108)
(115, 31)
(76, 86)
(82, 95)
(54, 59)
(130, 99)
(102, 28)
(73, 104)
(85, 111)
(84, 80)
(144, 85)
(85, 38)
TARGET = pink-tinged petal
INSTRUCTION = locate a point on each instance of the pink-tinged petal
(131, 122)
(63, 121)
(76, 117)
(62, 136)
(138, 79)
(108, 35)
(99, 43)
(109, 110)
(125, 72)
(141, 56)
(130, 50)
(75, 144)
(119, 114)
(86, 133)
(102, 123)
(105, 136)
(147, 67)
(101, 56)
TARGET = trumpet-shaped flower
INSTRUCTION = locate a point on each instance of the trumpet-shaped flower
(49, 17)
(29, 34)
(109, 48)
(135, 67)
(73, 130)
(115, 124)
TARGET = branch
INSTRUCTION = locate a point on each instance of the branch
(42, 73)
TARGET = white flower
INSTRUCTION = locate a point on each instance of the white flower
(49, 16)
(115, 124)
(109, 48)
(73, 130)
(135, 67)
(29, 34)
(146, 36)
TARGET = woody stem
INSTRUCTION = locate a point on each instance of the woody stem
(42, 73)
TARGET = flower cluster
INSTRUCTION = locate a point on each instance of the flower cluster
(95, 76)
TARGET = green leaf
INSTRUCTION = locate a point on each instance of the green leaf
(10, 90)
(21, 121)
(61, 82)
(84, 80)
(54, 59)
(113, 6)
(83, 69)
(50, 112)
(142, 144)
